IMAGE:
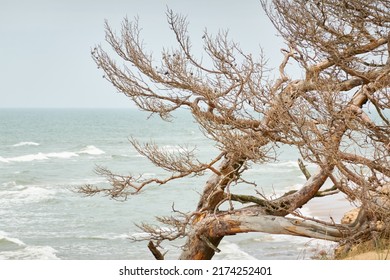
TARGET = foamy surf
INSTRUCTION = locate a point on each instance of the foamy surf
(4, 238)
(276, 167)
(30, 253)
(20, 144)
(3, 160)
(231, 251)
(90, 150)
(23, 194)
(289, 163)
(109, 237)
(39, 156)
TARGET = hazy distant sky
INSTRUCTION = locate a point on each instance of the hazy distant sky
(45, 45)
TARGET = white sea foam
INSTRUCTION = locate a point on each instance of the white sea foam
(4, 237)
(17, 249)
(120, 236)
(232, 251)
(24, 194)
(91, 150)
(36, 194)
(109, 237)
(41, 156)
(289, 163)
(31, 253)
(25, 158)
(3, 160)
(277, 167)
(62, 155)
(26, 144)
(140, 236)
(9, 184)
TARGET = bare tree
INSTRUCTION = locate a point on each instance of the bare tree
(342, 50)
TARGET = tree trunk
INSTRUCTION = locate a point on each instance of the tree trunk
(200, 245)
(209, 227)
(199, 249)
(206, 235)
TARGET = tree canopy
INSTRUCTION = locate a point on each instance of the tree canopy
(342, 51)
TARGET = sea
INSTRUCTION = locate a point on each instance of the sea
(46, 154)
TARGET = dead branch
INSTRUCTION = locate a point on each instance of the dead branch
(342, 50)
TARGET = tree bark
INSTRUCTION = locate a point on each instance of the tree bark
(200, 245)
(213, 228)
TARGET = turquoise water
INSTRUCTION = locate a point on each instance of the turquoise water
(45, 153)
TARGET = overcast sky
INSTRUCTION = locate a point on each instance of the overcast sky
(45, 45)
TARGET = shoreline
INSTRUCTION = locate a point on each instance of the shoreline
(328, 208)
(332, 209)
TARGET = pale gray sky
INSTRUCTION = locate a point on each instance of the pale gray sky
(45, 44)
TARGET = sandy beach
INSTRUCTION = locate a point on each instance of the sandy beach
(332, 209)
(329, 208)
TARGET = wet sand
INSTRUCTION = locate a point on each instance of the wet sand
(329, 208)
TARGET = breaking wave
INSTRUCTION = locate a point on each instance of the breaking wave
(231, 251)
(14, 248)
(3, 159)
(108, 237)
(89, 150)
(39, 156)
(289, 163)
(30, 253)
(5, 239)
(26, 194)
(25, 144)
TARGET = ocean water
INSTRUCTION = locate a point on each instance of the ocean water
(46, 153)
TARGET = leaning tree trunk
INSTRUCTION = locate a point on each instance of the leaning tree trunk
(200, 244)
(210, 226)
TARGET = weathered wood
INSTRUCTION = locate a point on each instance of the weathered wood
(213, 191)
(253, 220)
(201, 246)
(156, 253)
(197, 249)
(209, 243)
(304, 169)
(329, 191)
(288, 204)
(206, 235)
